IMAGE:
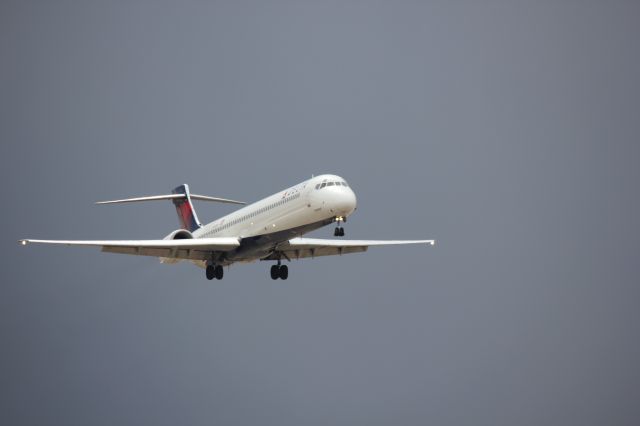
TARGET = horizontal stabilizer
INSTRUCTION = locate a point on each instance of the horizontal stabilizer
(171, 197)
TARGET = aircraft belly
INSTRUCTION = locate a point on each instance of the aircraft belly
(259, 246)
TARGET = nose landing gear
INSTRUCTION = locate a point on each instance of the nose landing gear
(339, 231)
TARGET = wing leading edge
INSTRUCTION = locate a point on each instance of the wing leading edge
(300, 248)
(192, 249)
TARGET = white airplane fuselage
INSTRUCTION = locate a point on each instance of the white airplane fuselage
(287, 214)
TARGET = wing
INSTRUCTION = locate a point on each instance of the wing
(299, 248)
(192, 249)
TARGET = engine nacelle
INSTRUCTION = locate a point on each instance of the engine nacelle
(178, 234)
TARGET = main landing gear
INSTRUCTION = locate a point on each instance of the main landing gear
(339, 231)
(214, 271)
(279, 271)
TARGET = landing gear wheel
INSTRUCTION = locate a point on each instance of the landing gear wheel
(338, 232)
(219, 272)
(341, 232)
(275, 272)
(210, 272)
(283, 272)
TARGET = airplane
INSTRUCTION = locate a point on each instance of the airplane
(271, 229)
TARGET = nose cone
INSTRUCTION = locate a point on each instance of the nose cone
(343, 201)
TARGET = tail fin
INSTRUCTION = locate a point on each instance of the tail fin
(184, 208)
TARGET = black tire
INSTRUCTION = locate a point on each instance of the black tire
(219, 272)
(274, 272)
(341, 232)
(210, 272)
(283, 271)
(336, 232)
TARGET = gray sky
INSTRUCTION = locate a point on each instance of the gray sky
(506, 130)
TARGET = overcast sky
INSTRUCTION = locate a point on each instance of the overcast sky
(507, 130)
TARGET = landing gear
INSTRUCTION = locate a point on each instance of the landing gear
(214, 271)
(211, 272)
(284, 272)
(279, 271)
(339, 231)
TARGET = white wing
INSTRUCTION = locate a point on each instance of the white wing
(193, 249)
(299, 248)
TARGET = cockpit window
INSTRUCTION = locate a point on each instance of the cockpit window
(323, 184)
